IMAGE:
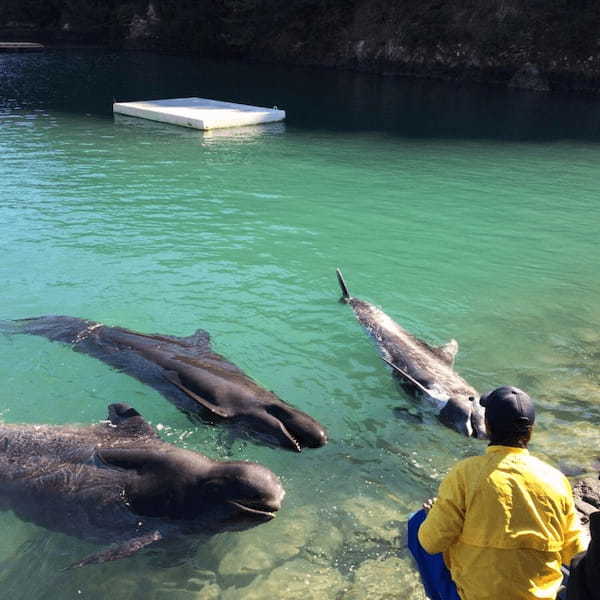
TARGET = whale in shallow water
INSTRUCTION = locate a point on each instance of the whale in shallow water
(422, 370)
(187, 372)
(117, 482)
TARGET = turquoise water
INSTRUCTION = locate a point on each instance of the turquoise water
(462, 212)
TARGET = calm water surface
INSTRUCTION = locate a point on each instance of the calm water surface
(463, 212)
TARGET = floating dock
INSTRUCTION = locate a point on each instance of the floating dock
(21, 47)
(199, 113)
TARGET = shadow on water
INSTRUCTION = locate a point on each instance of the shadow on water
(87, 81)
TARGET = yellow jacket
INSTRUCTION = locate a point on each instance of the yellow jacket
(505, 522)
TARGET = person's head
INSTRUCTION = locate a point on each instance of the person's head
(509, 416)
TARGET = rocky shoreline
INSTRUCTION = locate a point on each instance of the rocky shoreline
(525, 45)
(587, 497)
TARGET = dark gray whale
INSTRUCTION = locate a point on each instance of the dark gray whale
(187, 372)
(423, 371)
(117, 482)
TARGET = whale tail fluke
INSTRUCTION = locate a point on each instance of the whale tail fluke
(345, 293)
(54, 327)
(9, 328)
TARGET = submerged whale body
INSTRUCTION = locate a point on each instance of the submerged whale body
(187, 372)
(422, 370)
(117, 482)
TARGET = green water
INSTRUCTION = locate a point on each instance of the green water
(463, 212)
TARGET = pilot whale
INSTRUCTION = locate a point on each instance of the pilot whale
(118, 482)
(423, 371)
(187, 372)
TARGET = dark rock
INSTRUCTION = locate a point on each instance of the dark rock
(528, 45)
(572, 470)
(529, 77)
(587, 497)
(588, 490)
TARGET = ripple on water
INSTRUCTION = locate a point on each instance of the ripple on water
(164, 229)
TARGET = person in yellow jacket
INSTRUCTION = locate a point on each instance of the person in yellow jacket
(505, 521)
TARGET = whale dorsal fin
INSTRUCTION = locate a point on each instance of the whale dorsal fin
(199, 338)
(128, 420)
(447, 352)
(134, 459)
(219, 411)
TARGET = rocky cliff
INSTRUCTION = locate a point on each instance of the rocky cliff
(536, 44)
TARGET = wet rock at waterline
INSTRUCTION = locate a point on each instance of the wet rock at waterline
(529, 77)
(374, 520)
(587, 497)
(208, 592)
(298, 579)
(387, 579)
(299, 532)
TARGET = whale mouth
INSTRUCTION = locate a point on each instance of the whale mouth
(261, 511)
(295, 444)
(478, 430)
(276, 417)
(298, 430)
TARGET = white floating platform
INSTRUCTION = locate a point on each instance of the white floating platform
(20, 47)
(199, 113)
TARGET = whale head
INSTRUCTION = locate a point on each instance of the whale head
(464, 413)
(285, 426)
(184, 486)
(163, 481)
(245, 494)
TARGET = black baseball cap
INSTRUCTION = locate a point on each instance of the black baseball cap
(508, 409)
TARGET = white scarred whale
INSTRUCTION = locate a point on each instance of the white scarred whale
(117, 482)
(186, 371)
(422, 370)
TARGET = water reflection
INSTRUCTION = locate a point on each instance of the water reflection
(91, 80)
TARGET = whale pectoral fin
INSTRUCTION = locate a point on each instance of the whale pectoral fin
(121, 551)
(129, 458)
(219, 411)
(447, 352)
